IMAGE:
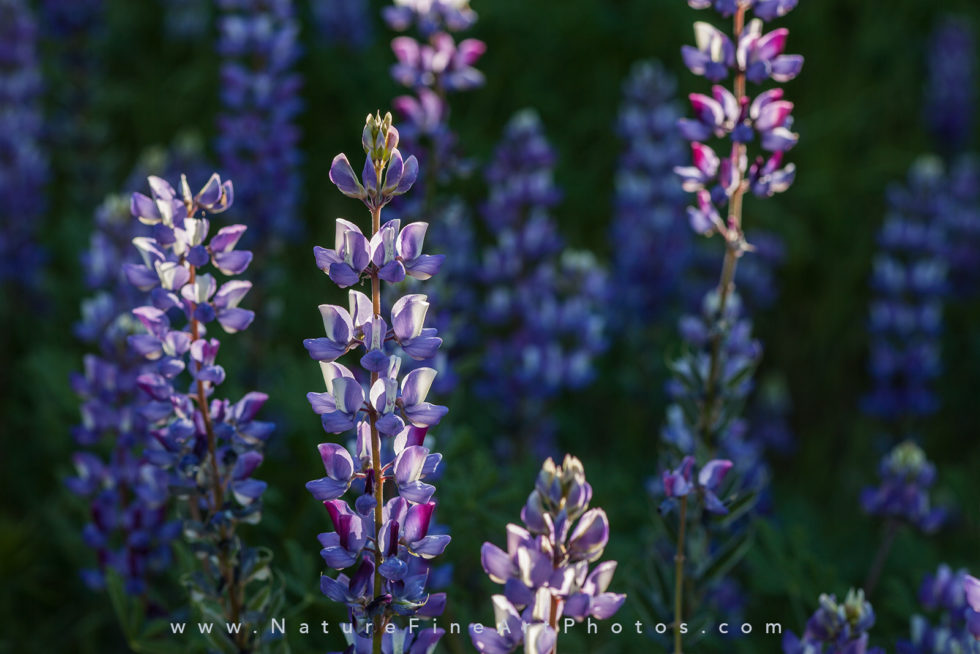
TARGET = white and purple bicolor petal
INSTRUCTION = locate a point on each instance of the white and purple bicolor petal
(375, 360)
(505, 635)
(589, 538)
(384, 253)
(232, 318)
(593, 600)
(408, 471)
(415, 388)
(703, 171)
(339, 329)
(761, 55)
(384, 399)
(407, 321)
(409, 248)
(713, 55)
(345, 263)
(338, 407)
(339, 465)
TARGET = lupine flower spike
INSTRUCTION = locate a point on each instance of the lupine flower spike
(384, 537)
(545, 570)
(751, 134)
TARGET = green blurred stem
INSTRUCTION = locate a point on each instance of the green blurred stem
(679, 577)
(874, 574)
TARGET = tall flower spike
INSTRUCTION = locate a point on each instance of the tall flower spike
(738, 145)
(208, 448)
(836, 628)
(385, 533)
(541, 300)
(909, 286)
(545, 569)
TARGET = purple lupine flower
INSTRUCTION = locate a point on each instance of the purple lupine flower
(909, 284)
(718, 175)
(258, 134)
(836, 628)
(903, 495)
(738, 143)
(545, 568)
(344, 22)
(682, 482)
(389, 542)
(541, 302)
(943, 594)
(24, 164)
(951, 89)
(441, 63)
(208, 447)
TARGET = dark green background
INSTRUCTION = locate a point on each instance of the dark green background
(859, 114)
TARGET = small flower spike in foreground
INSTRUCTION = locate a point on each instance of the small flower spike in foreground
(384, 542)
(836, 628)
(545, 569)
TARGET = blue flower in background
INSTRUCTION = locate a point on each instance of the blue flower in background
(258, 141)
(23, 162)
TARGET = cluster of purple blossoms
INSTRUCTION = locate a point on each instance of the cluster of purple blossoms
(344, 22)
(836, 628)
(951, 90)
(903, 494)
(909, 285)
(130, 528)
(258, 135)
(541, 302)
(944, 594)
(548, 586)
(209, 447)
(754, 56)
(713, 379)
(23, 163)
(652, 244)
(386, 542)
(682, 483)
